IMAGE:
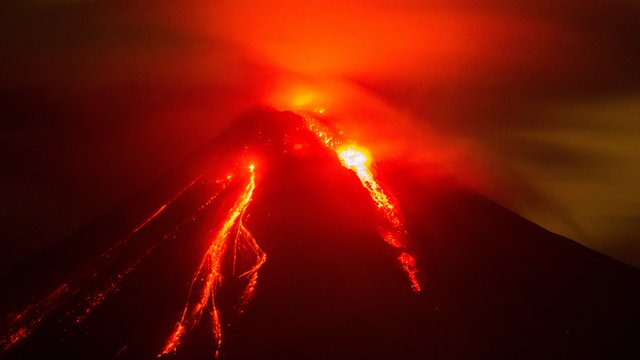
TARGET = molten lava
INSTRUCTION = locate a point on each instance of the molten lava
(231, 238)
(358, 160)
(208, 276)
(393, 233)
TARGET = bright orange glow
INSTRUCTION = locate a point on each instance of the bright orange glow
(356, 159)
(174, 339)
(347, 39)
(288, 95)
(359, 160)
(230, 234)
(208, 276)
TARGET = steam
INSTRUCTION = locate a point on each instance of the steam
(534, 103)
(513, 100)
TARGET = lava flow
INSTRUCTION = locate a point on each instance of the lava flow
(20, 325)
(209, 274)
(75, 300)
(358, 160)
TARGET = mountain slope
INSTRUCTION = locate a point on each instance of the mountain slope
(494, 284)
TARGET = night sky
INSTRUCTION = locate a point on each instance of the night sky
(533, 103)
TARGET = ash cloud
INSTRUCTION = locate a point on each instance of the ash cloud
(532, 103)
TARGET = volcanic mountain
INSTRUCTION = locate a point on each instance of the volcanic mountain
(264, 245)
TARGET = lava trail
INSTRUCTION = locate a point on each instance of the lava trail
(208, 276)
(74, 300)
(358, 160)
(23, 323)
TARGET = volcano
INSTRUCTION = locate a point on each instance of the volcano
(267, 243)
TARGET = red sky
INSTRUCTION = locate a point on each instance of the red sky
(533, 103)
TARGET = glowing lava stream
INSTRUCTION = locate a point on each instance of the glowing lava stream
(358, 160)
(208, 275)
(87, 293)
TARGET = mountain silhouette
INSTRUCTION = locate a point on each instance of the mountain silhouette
(494, 285)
